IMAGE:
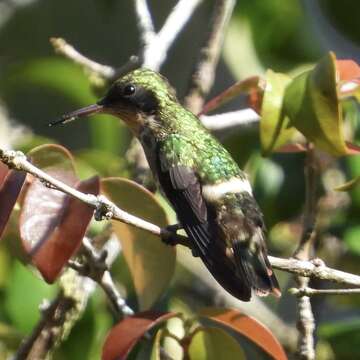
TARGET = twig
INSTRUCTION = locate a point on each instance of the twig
(96, 267)
(315, 268)
(145, 22)
(307, 291)
(154, 53)
(306, 321)
(233, 120)
(44, 335)
(104, 208)
(58, 317)
(204, 74)
(67, 50)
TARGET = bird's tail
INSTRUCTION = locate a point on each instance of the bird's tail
(253, 266)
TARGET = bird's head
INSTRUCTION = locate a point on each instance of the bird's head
(134, 97)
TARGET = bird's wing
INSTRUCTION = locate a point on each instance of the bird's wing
(182, 187)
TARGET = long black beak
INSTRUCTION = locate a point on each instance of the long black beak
(86, 111)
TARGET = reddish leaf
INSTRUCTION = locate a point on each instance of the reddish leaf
(248, 327)
(124, 336)
(53, 253)
(11, 182)
(241, 87)
(52, 224)
(347, 70)
(353, 149)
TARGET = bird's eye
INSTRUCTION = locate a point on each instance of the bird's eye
(129, 90)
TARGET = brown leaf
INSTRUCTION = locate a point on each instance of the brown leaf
(124, 336)
(248, 327)
(150, 261)
(63, 240)
(52, 224)
(11, 183)
(245, 86)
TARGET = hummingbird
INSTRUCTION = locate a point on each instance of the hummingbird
(210, 194)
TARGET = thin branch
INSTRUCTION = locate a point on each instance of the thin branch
(44, 335)
(154, 53)
(315, 268)
(67, 50)
(233, 120)
(307, 291)
(97, 266)
(306, 321)
(144, 22)
(58, 317)
(204, 74)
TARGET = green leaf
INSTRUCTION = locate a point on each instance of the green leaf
(349, 185)
(274, 131)
(155, 352)
(24, 294)
(150, 261)
(213, 344)
(312, 104)
(352, 239)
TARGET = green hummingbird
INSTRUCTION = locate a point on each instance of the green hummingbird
(211, 196)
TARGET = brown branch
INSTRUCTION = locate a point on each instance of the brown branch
(204, 74)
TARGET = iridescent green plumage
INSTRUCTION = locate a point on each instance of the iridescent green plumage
(210, 194)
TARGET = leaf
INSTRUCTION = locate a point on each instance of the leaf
(65, 239)
(124, 336)
(352, 239)
(244, 86)
(22, 296)
(312, 104)
(52, 225)
(150, 261)
(274, 131)
(214, 344)
(248, 327)
(347, 70)
(349, 185)
(155, 352)
(11, 182)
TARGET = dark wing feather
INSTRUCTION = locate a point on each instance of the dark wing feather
(183, 189)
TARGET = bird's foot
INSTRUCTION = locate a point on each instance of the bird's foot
(170, 237)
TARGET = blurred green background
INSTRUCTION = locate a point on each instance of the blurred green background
(36, 86)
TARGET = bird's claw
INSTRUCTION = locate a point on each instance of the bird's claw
(170, 237)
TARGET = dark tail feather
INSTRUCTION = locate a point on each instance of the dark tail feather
(255, 269)
(220, 266)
